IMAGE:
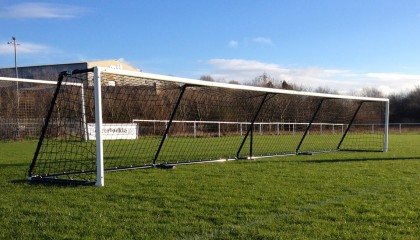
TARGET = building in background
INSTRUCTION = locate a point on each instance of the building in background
(50, 72)
(23, 105)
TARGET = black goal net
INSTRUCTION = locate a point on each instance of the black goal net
(148, 122)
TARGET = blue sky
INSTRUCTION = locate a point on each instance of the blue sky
(343, 45)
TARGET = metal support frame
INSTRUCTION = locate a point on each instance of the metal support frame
(310, 124)
(250, 128)
(168, 125)
(46, 123)
(349, 125)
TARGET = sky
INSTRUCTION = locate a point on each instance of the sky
(340, 45)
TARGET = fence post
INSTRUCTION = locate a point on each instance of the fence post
(195, 129)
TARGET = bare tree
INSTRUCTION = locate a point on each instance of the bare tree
(285, 85)
(405, 107)
(371, 92)
(325, 90)
(263, 80)
(207, 78)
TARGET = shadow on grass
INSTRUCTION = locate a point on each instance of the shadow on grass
(20, 181)
(49, 183)
(14, 165)
(360, 159)
(286, 159)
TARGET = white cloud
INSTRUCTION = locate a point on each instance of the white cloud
(41, 10)
(239, 69)
(233, 44)
(393, 82)
(263, 41)
(25, 48)
(343, 81)
(241, 64)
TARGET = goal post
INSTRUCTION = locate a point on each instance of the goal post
(131, 120)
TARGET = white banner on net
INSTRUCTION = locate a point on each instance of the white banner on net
(114, 131)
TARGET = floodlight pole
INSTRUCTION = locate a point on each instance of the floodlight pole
(17, 75)
(14, 47)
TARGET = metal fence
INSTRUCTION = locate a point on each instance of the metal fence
(11, 129)
(220, 128)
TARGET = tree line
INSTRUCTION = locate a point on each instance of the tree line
(404, 106)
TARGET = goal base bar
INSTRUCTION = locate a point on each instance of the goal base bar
(48, 180)
(360, 150)
(165, 166)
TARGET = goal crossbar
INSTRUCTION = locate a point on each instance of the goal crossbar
(38, 81)
(193, 82)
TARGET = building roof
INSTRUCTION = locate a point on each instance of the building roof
(51, 71)
(117, 64)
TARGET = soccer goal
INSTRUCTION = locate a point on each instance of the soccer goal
(107, 120)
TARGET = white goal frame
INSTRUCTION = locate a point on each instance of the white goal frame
(142, 75)
(140, 101)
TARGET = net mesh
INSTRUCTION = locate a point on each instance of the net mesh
(149, 122)
(22, 109)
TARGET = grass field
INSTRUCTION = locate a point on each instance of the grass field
(324, 196)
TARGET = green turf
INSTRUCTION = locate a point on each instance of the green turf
(324, 196)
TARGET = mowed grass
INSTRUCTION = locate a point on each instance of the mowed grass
(323, 196)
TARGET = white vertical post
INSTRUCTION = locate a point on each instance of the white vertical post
(166, 126)
(219, 129)
(293, 130)
(195, 129)
(83, 112)
(386, 126)
(98, 127)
